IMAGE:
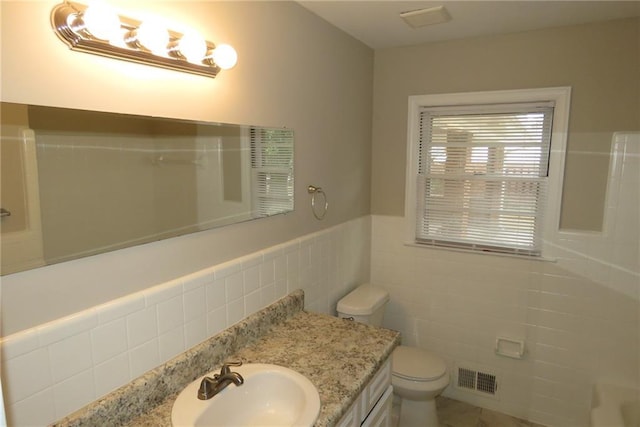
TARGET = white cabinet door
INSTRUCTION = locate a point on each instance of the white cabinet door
(373, 406)
(353, 417)
(380, 416)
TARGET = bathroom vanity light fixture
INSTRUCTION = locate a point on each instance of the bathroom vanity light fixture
(98, 29)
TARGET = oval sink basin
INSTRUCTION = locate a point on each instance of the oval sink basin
(271, 395)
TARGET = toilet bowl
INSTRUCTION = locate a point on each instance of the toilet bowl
(418, 376)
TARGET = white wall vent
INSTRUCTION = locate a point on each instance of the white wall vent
(478, 381)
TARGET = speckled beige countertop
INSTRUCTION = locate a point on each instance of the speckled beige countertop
(339, 356)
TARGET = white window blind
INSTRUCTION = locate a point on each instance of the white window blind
(482, 176)
(272, 170)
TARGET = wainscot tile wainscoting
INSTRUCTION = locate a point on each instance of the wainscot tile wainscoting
(54, 369)
(580, 325)
(577, 331)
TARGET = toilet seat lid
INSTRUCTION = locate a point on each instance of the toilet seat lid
(416, 364)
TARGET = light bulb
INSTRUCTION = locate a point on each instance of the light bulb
(193, 47)
(153, 36)
(102, 21)
(224, 56)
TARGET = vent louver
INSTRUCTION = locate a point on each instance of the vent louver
(473, 380)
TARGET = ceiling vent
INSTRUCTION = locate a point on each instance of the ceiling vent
(423, 17)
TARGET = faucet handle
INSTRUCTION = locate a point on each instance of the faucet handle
(225, 367)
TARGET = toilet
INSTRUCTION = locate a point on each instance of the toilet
(418, 376)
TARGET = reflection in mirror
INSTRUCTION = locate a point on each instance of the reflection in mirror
(77, 183)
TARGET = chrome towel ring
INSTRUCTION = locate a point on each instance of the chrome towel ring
(314, 191)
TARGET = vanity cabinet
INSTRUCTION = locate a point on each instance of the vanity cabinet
(372, 408)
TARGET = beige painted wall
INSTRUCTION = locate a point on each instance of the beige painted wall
(294, 70)
(601, 62)
(12, 180)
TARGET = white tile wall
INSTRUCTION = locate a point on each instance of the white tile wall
(612, 257)
(54, 369)
(577, 331)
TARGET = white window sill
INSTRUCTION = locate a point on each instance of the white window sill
(473, 252)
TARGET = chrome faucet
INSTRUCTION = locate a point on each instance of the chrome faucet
(209, 387)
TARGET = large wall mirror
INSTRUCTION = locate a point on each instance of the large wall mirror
(77, 183)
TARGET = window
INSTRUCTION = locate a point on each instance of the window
(482, 173)
(272, 170)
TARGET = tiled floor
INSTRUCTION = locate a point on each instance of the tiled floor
(453, 413)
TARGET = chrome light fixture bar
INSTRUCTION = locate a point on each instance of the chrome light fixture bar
(99, 30)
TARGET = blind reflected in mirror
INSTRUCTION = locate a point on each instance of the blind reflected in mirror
(89, 182)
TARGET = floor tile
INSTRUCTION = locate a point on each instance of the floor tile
(490, 418)
(453, 413)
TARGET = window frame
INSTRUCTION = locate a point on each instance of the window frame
(561, 96)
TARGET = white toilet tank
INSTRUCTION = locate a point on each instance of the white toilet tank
(365, 304)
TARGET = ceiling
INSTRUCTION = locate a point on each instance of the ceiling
(378, 24)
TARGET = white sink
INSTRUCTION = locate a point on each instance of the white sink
(270, 396)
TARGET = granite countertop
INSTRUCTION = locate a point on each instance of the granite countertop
(339, 356)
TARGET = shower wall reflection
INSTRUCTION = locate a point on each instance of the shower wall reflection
(108, 181)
